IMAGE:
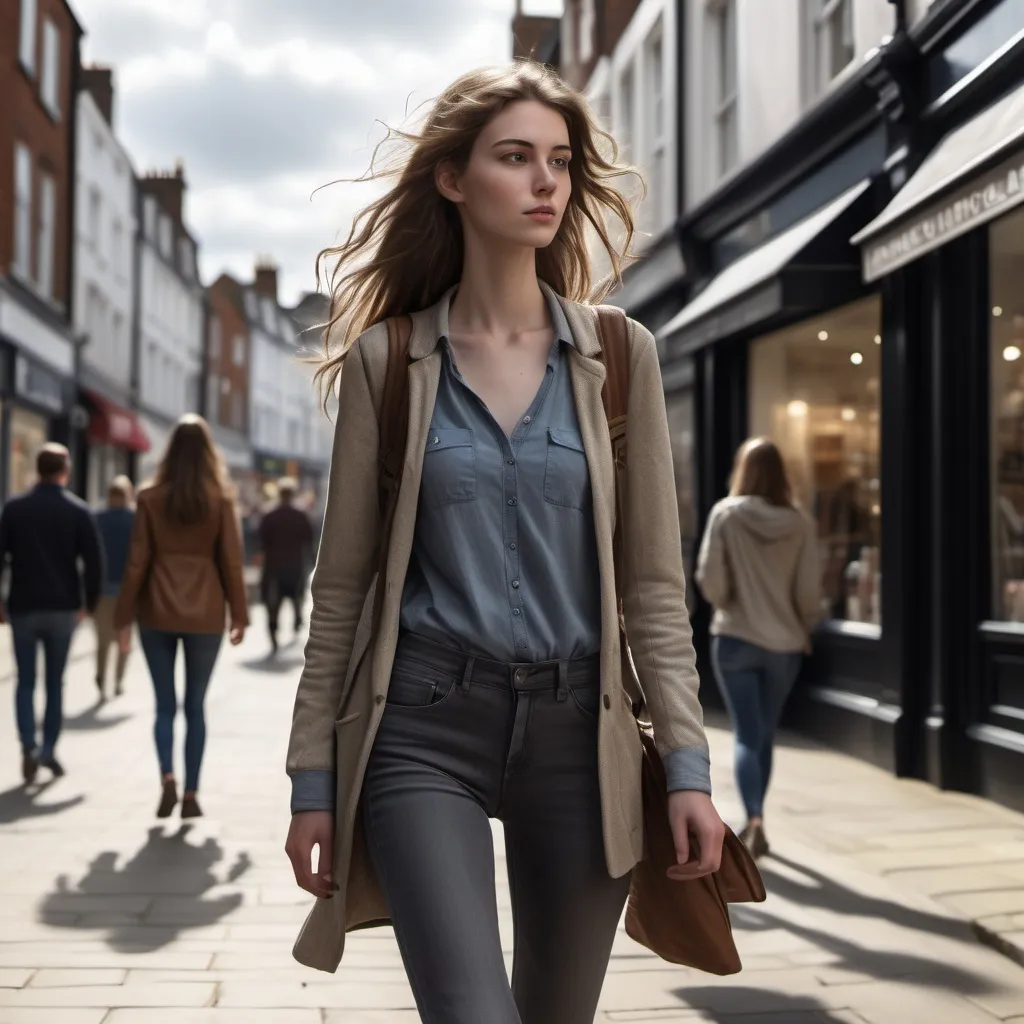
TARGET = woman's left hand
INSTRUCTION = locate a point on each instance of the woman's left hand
(694, 821)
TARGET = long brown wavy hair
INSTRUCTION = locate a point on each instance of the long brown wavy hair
(405, 250)
(760, 471)
(193, 469)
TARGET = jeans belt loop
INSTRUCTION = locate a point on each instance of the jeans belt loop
(563, 680)
(467, 674)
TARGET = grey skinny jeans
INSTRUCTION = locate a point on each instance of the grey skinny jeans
(462, 741)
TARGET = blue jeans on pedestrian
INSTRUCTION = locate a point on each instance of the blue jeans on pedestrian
(161, 650)
(53, 630)
(755, 684)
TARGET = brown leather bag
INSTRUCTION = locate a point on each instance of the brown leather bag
(683, 922)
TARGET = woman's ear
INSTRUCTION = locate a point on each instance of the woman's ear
(446, 178)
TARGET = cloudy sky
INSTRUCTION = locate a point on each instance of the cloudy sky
(267, 100)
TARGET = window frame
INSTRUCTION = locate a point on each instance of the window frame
(821, 18)
(28, 36)
(50, 77)
(21, 255)
(725, 99)
(46, 235)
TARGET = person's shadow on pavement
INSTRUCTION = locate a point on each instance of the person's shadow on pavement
(728, 1005)
(152, 897)
(22, 802)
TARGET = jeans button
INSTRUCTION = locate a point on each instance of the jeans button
(520, 674)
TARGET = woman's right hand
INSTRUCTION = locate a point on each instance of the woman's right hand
(309, 829)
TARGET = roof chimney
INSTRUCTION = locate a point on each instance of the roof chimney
(266, 278)
(100, 83)
(169, 189)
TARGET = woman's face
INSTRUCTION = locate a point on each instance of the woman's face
(516, 186)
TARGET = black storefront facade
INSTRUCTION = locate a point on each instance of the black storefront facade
(858, 294)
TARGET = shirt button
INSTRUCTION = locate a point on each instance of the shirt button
(527, 419)
(516, 612)
(511, 547)
(511, 501)
(511, 462)
(515, 584)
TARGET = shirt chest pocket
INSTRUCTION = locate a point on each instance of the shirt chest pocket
(566, 476)
(449, 467)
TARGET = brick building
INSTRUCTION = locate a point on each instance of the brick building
(39, 62)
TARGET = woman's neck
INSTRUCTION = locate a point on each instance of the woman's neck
(499, 294)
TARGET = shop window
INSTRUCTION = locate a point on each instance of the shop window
(681, 430)
(1006, 242)
(815, 391)
(28, 435)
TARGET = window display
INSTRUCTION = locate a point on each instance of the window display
(1006, 255)
(28, 435)
(681, 430)
(815, 391)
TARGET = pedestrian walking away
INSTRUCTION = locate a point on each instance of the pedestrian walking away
(184, 565)
(286, 540)
(480, 676)
(50, 546)
(759, 566)
(115, 524)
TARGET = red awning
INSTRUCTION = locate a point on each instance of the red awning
(111, 423)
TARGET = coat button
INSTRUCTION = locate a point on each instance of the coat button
(607, 702)
(380, 698)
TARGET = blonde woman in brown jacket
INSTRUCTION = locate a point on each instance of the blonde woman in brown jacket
(184, 567)
(759, 567)
(492, 686)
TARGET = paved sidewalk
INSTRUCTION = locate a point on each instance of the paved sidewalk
(108, 916)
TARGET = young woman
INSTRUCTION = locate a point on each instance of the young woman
(758, 566)
(492, 686)
(184, 565)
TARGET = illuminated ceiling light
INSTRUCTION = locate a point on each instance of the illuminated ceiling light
(997, 310)
(856, 358)
(1011, 353)
(822, 335)
(878, 339)
(797, 409)
(849, 415)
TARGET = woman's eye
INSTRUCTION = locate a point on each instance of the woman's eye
(515, 157)
(561, 162)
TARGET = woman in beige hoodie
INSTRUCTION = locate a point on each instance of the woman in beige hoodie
(758, 566)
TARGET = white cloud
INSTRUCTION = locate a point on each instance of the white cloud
(266, 100)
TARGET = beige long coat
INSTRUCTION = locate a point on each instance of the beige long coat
(344, 684)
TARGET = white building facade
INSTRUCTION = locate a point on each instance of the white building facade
(105, 291)
(289, 433)
(171, 313)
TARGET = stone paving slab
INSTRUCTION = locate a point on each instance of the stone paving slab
(121, 919)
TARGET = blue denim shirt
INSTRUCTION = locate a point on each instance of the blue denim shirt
(504, 559)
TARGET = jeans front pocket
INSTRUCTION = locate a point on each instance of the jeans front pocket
(449, 467)
(566, 476)
(417, 686)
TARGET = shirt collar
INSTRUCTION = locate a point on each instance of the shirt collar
(558, 318)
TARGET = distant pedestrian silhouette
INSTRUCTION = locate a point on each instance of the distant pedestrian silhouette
(115, 524)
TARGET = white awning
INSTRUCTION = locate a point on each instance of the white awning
(931, 209)
(749, 281)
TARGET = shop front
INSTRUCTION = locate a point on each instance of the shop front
(859, 298)
(116, 438)
(35, 409)
(953, 239)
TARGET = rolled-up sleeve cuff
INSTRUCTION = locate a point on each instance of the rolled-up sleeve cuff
(688, 768)
(312, 790)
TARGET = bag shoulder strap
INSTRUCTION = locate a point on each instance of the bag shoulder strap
(613, 335)
(393, 427)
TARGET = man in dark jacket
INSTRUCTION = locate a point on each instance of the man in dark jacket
(286, 537)
(43, 535)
